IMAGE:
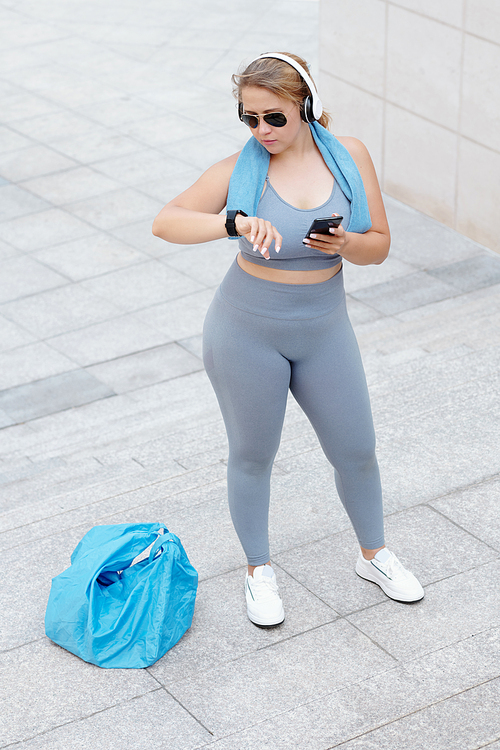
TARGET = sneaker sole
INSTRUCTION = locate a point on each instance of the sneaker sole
(387, 593)
(266, 625)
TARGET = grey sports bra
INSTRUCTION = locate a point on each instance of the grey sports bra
(293, 223)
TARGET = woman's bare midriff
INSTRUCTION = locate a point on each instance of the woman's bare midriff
(288, 277)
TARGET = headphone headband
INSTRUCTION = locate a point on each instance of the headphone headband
(315, 106)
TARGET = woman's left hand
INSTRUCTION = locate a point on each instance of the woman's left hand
(331, 243)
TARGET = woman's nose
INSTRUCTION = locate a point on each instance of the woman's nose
(263, 126)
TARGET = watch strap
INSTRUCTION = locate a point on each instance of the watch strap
(230, 222)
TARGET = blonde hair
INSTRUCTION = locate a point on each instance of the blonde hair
(278, 77)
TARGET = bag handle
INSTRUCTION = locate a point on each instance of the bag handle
(159, 542)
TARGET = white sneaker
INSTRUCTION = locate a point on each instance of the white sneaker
(264, 606)
(394, 580)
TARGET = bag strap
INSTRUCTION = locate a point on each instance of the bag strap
(159, 542)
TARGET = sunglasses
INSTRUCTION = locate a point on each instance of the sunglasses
(275, 119)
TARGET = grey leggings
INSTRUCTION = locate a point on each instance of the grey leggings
(262, 338)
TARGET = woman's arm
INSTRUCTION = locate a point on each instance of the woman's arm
(373, 245)
(194, 216)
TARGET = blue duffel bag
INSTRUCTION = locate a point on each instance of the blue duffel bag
(115, 611)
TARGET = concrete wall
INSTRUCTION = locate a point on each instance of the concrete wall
(419, 82)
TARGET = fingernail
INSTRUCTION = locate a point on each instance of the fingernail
(332, 230)
(306, 242)
(277, 248)
(255, 248)
(252, 238)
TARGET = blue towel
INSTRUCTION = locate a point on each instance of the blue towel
(249, 175)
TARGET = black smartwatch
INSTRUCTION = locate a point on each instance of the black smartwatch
(230, 222)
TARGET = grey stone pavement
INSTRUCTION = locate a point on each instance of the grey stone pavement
(108, 110)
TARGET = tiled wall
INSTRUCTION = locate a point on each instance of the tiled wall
(419, 82)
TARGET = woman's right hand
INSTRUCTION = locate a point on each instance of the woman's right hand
(259, 233)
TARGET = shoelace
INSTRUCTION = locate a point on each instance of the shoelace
(392, 568)
(264, 588)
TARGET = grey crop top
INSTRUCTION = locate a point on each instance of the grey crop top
(292, 223)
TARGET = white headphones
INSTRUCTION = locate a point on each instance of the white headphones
(312, 108)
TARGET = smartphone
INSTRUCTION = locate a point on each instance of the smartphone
(322, 226)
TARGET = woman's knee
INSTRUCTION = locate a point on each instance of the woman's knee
(360, 458)
(254, 463)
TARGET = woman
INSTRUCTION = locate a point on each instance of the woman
(278, 320)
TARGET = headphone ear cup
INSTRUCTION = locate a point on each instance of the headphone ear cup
(307, 110)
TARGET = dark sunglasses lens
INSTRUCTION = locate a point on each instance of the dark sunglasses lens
(250, 120)
(276, 120)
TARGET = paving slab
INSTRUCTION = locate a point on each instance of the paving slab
(119, 111)
(140, 236)
(142, 285)
(102, 342)
(180, 318)
(27, 276)
(354, 711)
(154, 366)
(114, 208)
(182, 443)
(31, 363)
(71, 185)
(218, 637)
(116, 500)
(5, 420)
(484, 271)
(168, 186)
(198, 262)
(359, 277)
(467, 603)
(8, 251)
(53, 395)
(128, 419)
(404, 293)
(201, 525)
(201, 152)
(466, 721)
(416, 376)
(425, 242)
(24, 601)
(56, 311)
(96, 144)
(283, 676)
(45, 228)
(22, 469)
(193, 344)
(92, 256)
(34, 161)
(15, 472)
(161, 131)
(326, 567)
(142, 167)
(18, 105)
(50, 128)
(12, 335)
(12, 141)
(153, 721)
(476, 510)
(16, 201)
(80, 689)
